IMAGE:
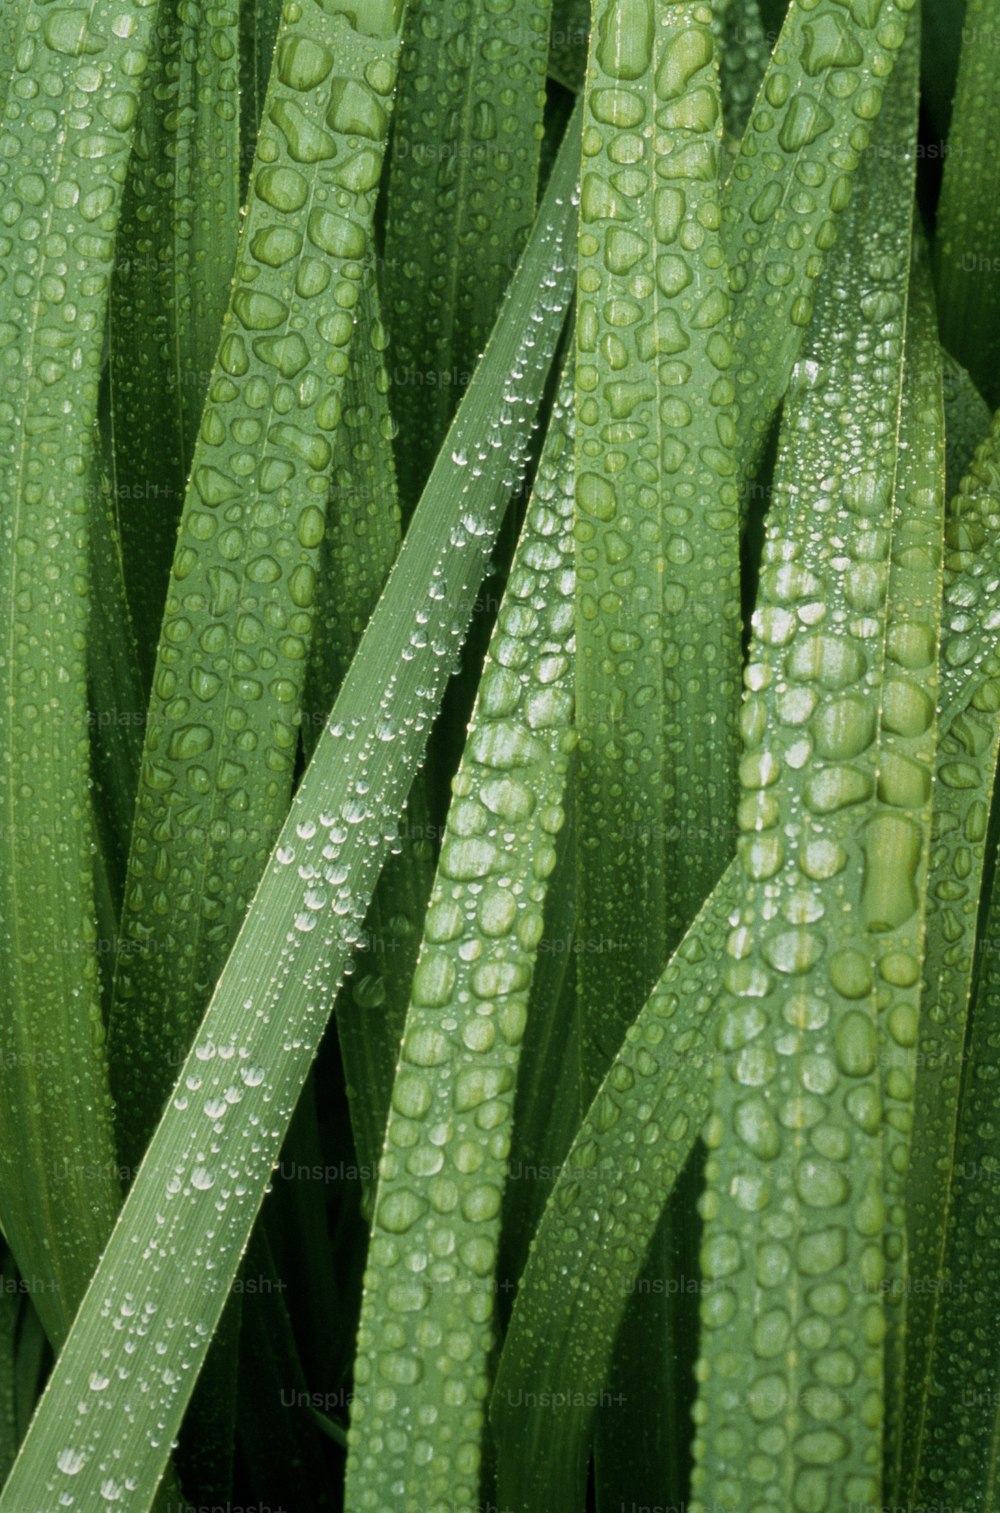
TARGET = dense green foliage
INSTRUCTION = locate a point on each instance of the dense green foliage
(459, 1048)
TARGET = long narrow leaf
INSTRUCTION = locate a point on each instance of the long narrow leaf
(967, 420)
(657, 552)
(58, 1189)
(961, 1449)
(363, 529)
(598, 1224)
(657, 528)
(462, 1042)
(174, 259)
(907, 744)
(359, 546)
(792, 1314)
(969, 746)
(971, 632)
(547, 1107)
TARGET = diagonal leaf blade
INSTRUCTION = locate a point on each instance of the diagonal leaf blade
(161, 1281)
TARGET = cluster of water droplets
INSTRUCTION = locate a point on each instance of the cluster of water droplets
(124, 1385)
(359, 546)
(897, 840)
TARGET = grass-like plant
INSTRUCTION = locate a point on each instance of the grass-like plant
(459, 1048)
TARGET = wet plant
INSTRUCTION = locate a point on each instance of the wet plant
(501, 700)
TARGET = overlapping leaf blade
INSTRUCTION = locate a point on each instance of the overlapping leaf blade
(175, 254)
(222, 727)
(967, 762)
(657, 530)
(463, 176)
(590, 1246)
(907, 738)
(360, 544)
(967, 420)
(964, 1364)
(792, 180)
(657, 555)
(448, 1135)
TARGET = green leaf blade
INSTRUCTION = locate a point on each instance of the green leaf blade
(792, 1262)
(464, 1028)
(908, 742)
(175, 254)
(362, 538)
(969, 743)
(962, 1436)
(967, 244)
(967, 420)
(58, 1189)
(599, 1221)
(657, 528)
